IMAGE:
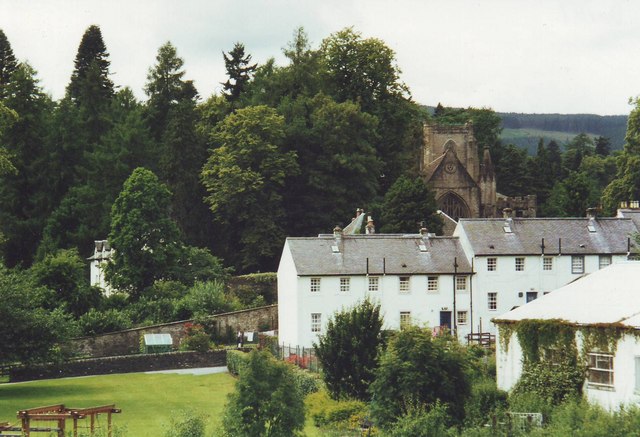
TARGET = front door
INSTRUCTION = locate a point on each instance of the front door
(445, 319)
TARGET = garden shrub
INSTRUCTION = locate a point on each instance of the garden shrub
(307, 382)
(420, 421)
(196, 339)
(186, 424)
(236, 360)
(485, 399)
(98, 322)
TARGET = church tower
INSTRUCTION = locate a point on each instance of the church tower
(450, 164)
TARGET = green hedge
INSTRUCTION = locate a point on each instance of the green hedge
(235, 361)
(307, 381)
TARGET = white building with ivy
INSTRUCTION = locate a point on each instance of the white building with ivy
(602, 311)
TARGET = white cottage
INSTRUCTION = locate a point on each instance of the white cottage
(411, 276)
(604, 299)
(518, 260)
(101, 256)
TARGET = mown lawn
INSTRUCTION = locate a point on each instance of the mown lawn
(147, 400)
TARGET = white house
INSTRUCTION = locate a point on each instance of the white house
(609, 298)
(517, 260)
(101, 255)
(502, 263)
(411, 276)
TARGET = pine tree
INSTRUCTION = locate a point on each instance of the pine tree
(92, 65)
(239, 69)
(8, 63)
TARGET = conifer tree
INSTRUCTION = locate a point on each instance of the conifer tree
(8, 63)
(91, 67)
(239, 69)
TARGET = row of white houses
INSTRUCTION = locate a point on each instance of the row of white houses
(488, 267)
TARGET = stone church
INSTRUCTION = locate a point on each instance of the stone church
(464, 184)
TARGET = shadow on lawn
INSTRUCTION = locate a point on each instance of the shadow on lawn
(59, 393)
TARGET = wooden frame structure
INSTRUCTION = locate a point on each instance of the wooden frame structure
(59, 414)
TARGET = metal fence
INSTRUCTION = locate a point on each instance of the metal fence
(302, 357)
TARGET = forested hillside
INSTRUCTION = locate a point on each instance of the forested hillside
(525, 129)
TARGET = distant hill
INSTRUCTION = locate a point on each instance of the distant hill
(526, 129)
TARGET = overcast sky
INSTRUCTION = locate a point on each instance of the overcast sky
(538, 56)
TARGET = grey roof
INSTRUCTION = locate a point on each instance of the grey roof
(386, 254)
(633, 214)
(607, 296)
(571, 235)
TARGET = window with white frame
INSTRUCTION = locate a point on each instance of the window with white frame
(519, 264)
(604, 261)
(600, 370)
(492, 264)
(374, 283)
(462, 317)
(405, 319)
(577, 264)
(461, 283)
(345, 284)
(432, 283)
(547, 263)
(492, 301)
(404, 284)
(316, 322)
(314, 286)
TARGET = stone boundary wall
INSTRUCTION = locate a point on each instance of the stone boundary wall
(123, 364)
(128, 342)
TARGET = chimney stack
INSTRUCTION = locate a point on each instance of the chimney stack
(507, 213)
(370, 228)
(592, 213)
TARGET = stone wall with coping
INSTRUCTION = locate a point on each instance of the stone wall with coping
(128, 342)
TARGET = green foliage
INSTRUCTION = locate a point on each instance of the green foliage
(208, 298)
(239, 69)
(418, 370)
(145, 239)
(96, 322)
(408, 206)
(579, 418)
(8, 63)
(338, 412)
(486, 399)
(555, 382)
(348, 350)
(186, 424)
(64, 274)
(266, 402)
(539, 337)
(308, 382)
(244, 177)
(29, 331)
(196, 339)
(421, 422)
(236, 361)
(92, 54)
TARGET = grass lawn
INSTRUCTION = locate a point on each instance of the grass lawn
(147, 401)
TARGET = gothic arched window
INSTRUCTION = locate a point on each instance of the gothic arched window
(453, 205)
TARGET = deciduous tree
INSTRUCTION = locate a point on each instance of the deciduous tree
(418, 370)
(348, 351)
(266, 402)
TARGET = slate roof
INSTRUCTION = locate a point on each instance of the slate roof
(607, 296)
(386, 254)
(633, 214)
(570, 236)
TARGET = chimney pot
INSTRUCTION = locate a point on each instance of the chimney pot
(507, 213)
(370, 228)
(592, 213)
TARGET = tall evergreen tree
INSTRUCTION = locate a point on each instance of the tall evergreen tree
(8, 63)
(239, 69)
(91, 67)
(24, 197)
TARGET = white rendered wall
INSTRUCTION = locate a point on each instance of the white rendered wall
(508, 362)
(288, 312)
